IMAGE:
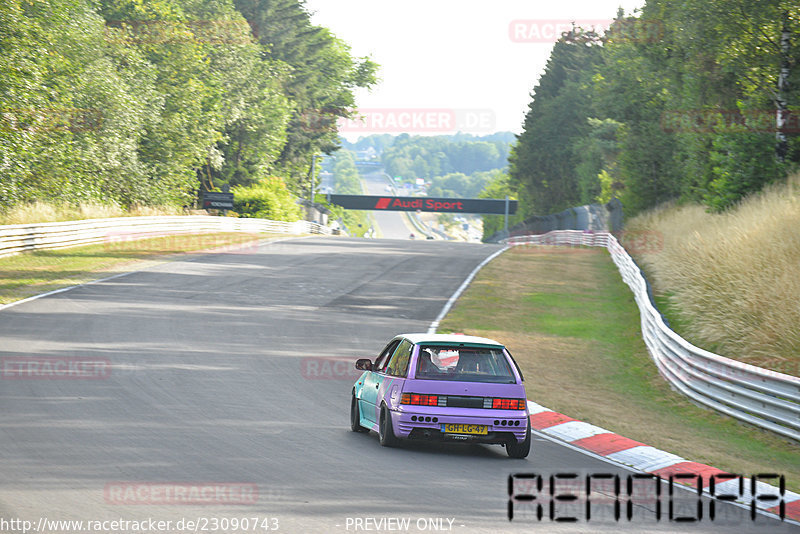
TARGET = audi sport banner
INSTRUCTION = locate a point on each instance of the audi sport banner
(440, 205)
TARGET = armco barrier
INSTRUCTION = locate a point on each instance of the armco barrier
(17, 238)
(761, 397)
(592, 217)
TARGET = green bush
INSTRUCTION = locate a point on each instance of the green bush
(266, 199)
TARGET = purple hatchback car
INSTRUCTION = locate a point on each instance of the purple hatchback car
(445, 388)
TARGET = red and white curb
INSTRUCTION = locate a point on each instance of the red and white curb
(641, 457)
(633, 454)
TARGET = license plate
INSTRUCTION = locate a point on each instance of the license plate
(453, 428)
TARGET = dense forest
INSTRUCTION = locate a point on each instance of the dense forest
(416, 156)
(143, 103)
(136, 102)
(693, 100)
(460, 185)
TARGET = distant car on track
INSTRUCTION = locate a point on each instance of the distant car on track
(444, 388)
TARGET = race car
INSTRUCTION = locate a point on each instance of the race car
(443, 387)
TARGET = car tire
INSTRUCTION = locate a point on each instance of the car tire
(385, 430)
(520, 450)
(355, 417)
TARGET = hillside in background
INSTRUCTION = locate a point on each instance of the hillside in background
(460, 165)
(451, 166)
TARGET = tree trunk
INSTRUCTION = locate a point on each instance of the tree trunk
(782, 107)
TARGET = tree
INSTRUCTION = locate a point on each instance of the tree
(542, 162)
(431, 156)
(498, 186)
(321, 79)
(597, 161)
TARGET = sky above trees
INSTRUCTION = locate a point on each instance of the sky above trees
(456, 54)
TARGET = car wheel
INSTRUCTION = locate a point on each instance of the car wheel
(520, 450)
(386, 432)
(355, 417)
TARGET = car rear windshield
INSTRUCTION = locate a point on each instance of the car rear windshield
(464, 364)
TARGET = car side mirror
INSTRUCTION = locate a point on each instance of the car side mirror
(364, 364)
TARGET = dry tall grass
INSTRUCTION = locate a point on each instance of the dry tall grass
(734, 278)
(44, 212)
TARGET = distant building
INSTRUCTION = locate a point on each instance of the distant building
(368, 154)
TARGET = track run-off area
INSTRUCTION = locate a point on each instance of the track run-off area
(233, 371)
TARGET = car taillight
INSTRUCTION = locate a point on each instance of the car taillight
(419, 400)
(509, 404)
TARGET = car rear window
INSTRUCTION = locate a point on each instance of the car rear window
(464, 364)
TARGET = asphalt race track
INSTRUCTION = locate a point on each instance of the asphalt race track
(391, 223)
(235, 370)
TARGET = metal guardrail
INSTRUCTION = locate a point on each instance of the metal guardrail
(16, 238)
(764, 398)
(594, 217)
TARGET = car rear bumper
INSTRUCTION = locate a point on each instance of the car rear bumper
(501, 425)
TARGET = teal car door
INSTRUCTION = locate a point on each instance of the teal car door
(396, 373)
(368, 401)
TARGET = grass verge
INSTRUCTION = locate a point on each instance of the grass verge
(32, 273)
(731, 280)
(574, 328)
